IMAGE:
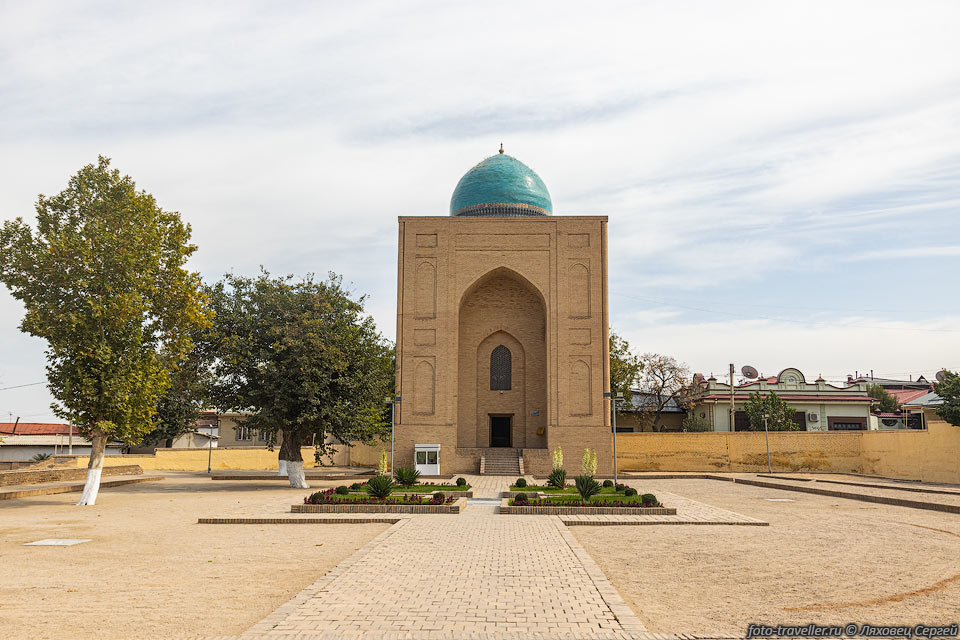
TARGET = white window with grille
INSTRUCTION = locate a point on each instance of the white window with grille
(427, 459)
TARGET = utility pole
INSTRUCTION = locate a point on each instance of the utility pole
(766, 433)
(614, 399)
(393, 402)
(731, 398)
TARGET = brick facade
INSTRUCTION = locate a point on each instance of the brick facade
(535, 285)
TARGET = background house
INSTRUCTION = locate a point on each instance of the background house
(24, 440)
(640, 414)
(921, 410)
(819, 406)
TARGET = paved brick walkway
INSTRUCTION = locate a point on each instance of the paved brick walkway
(478, 576)
(459, 575)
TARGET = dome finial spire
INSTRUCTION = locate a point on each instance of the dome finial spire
(501, 147)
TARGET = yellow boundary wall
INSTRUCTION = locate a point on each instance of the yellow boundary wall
(235, 458)
(931, 456)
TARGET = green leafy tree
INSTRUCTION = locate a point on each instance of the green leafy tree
(949, 390)
(182, 404)
(885, 402)
(778, 413)
(103, 281)
(303, 359)
(625, 369)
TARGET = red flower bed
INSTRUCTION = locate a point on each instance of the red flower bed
(329, 496)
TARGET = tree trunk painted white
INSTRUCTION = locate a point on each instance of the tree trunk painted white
(91, 488)
(295, 474)
(281, 467)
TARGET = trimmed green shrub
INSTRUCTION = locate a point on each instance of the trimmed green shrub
(407, 477)
(379, 486)
(521, 482)
(620, 487)
(629, 491)
(649, 500)
(607, 484)
(356, 486)
(587, 487)
(557, 478)
(342, 490)
(461, 482)
(521, 500)
(438, 498)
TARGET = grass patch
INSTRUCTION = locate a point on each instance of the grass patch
(329, 497)
(566, 490)
(426, 488)
(600, 500)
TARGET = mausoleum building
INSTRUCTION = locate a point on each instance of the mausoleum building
(502, 329)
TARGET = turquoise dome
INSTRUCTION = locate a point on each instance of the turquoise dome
(501, 185)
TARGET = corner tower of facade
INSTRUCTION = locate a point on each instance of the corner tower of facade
(502, 329)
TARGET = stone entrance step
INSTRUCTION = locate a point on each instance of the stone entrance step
(501, 462)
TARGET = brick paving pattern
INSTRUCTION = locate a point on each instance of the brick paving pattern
(458, 575)
(477, 576)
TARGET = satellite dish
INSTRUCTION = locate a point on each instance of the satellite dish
(941, 375)
(749, 372)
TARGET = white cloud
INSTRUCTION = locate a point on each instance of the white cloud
(760, 152)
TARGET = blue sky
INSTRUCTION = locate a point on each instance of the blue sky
(782, 181)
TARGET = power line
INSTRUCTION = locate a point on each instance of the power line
(775, 319)
(20, 386)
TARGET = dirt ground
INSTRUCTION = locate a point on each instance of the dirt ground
(150, 570)
(822, 560)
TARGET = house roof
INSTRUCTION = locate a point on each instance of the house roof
(904, 396)
(891, 383)
(927, 400)
(795, 397)
(36, 429)
(768, 380)
(643, 399)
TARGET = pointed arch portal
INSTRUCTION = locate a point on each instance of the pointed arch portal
(502, 363)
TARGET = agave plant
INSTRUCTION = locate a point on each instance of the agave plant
(587, 487)
(557, 478)
(379, 486)
(407, 477)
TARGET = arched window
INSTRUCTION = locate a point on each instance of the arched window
(500, 367)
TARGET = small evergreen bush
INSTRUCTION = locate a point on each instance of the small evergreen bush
(587, 487)
(379, 486)
(438, 498)
(521, 482)
(407, 477)
(620, 487)
(356, 486)
(521, 500)
(607, 484)
(557, 478)
(342, 490)
(649, 500)
(629, 491)
(461, 482)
